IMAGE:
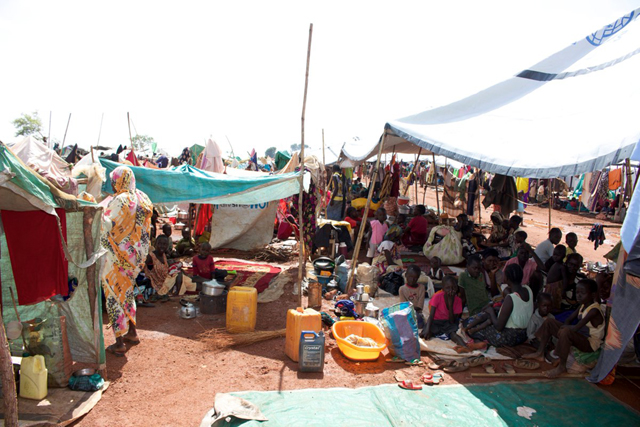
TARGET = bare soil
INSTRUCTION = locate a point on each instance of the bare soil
(171, 377)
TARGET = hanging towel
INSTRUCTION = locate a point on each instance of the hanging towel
(40, 269)
(615, 179)
(596, 235)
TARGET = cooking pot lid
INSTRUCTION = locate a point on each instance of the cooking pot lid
(213, 283)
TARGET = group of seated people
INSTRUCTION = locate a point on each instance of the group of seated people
(513, 293)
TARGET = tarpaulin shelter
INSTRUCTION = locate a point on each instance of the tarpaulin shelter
(22, 191)
(187, 184)
(573, 112)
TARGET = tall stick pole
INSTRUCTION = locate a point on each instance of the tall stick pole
(100, 131)
(435, 177)
(356, 250)
(479, 194)
(302, 259)
(415, 174)
(49, 143)
(65, 132)
(550, 193)
(129, 125)
(8, 381)
(325, 170)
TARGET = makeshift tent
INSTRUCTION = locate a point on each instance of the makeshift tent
(574, 112)
(188, 184)
(211, 158)
(46, 162)
(23, 191)
(195, 150)
(282, 158)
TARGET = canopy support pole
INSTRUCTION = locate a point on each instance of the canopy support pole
(628, 189)
(10, 398)
(302, 260)
(415, 174)
(65, 133)
(550, 201)
(129, 124)
(479, 194)
(356, 250)
(435, 177)
(49, 143)
(324, 168)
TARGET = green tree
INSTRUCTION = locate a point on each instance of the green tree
(28, 124)
(297, 147)
(143, 142)
(271, 152)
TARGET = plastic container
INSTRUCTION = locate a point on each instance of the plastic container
(242, 308)
(297, 321)
(403, 200)
(33, 378)
(311, 351)
(343, 329)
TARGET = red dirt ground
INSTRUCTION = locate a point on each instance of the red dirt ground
(171, 377)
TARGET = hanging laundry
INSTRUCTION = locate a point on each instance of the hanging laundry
(615, 179)
(596, 235)
(40, 269)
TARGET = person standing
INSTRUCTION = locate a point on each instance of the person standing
(125, 236)
(336, 186)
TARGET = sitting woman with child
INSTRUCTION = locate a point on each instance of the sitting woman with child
(416, 232)
(508, 327)
(157, 269)
(586, 335)
(388, 259)
(561, 284)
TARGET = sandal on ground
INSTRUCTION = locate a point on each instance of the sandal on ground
(432, 379)
(395, 359)
(456, 366)
(438, 363)
(508, 368)
(409, 385)
(415, 362)
(489, 368)
(113, 350)
(526, 364)
(478, 360)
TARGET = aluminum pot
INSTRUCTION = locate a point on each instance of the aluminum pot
(212, 288)
(372, 311)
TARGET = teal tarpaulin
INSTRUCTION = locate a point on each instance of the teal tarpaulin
(188, 184)
(557, 403)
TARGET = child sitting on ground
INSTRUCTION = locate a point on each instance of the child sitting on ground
(413, 292)
(187, 244)
(204, 268)
(572, 241)
(163, 278)
(468, 248)
(542, 313)
(416, 233)
(167, 231)
(473, 286)
(586, 335)
(519, 237)
(435, 270)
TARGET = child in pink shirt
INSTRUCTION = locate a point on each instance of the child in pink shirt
(378, 230)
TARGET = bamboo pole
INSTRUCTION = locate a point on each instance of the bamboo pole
(129, 125)
(100, 131)
(302, 259)
(65, 133)
(628, 189)
(9, 396)
(356, 250)
(435, 177)
(479, 194)
(550, 201)
(415, 174)
(324, 167)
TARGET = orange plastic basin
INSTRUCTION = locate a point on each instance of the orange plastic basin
(343, 329)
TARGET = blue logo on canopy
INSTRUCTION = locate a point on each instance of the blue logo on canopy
(600, 36)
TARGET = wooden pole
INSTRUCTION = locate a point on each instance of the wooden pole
(9, 396)
(129, 125)
(415, 174)
(100, 131)
(324, 168)
(479, 194)
(49, 143)
(435, 177)
(550, 195)
(65, 133)
(356, 250)
(302, 260)
(628, 189)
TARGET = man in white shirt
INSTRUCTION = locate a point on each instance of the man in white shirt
(544, 250)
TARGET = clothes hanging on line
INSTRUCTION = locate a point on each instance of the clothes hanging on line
(596, 235)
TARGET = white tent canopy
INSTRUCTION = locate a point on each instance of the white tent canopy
(359, 152)
(574, 112)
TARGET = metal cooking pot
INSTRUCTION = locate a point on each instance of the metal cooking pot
(372, 311)
(188, 310)
(212, 288)
(324, 264)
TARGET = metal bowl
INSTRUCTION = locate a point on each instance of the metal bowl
(86, 372)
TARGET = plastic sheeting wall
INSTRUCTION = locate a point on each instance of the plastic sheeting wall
(243, 227)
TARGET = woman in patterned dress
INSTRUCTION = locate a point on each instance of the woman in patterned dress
(125, 236)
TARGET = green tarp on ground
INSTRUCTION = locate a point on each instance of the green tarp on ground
(558, 403)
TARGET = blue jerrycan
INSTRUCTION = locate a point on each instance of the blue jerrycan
(311, 352)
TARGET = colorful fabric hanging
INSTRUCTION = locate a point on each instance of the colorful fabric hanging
(615, 179)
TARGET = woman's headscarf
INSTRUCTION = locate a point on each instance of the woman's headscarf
(123, 180)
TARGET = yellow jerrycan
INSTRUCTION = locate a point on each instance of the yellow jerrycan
(242, 308)
(33, 378)
(297, 321)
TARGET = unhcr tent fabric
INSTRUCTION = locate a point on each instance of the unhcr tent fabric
(188, 184)
(574, 112)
